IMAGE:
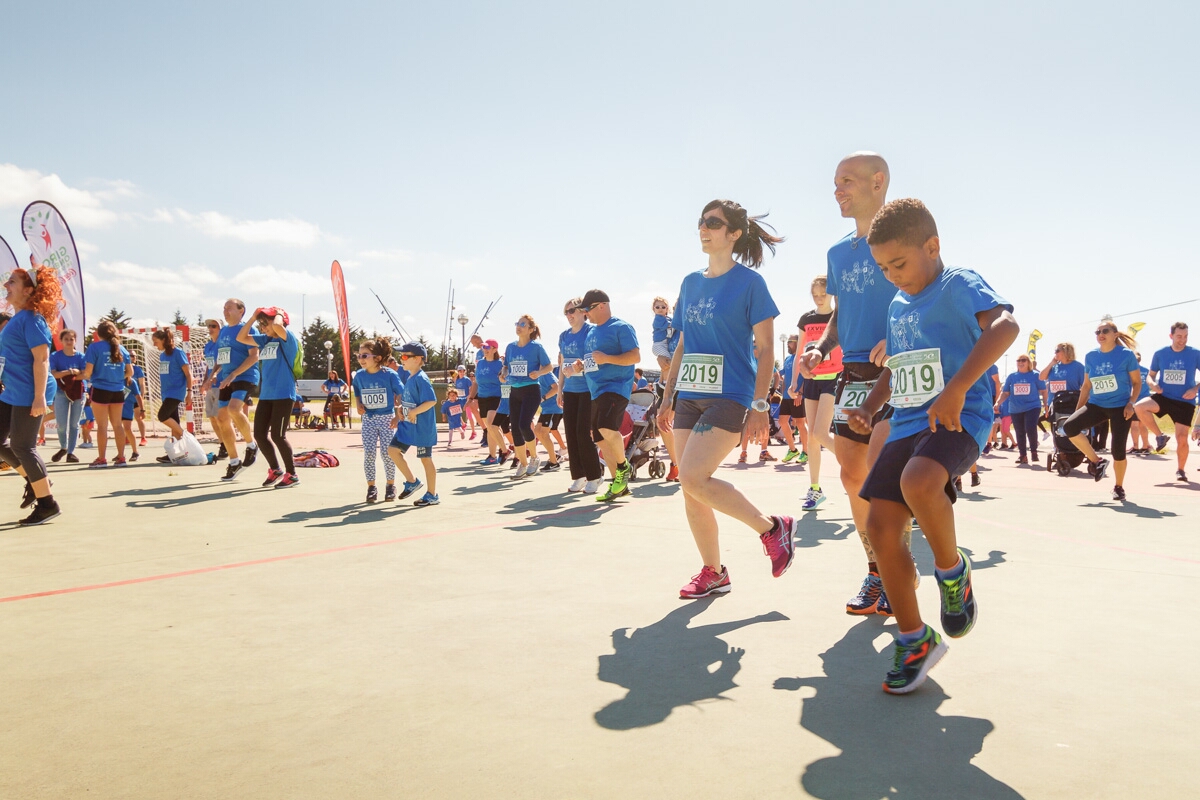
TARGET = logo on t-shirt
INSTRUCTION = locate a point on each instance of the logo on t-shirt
(1103, 368)
(906, 331)
(701, 311)
(858, 277)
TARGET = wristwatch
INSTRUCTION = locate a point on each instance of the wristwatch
(760, 405)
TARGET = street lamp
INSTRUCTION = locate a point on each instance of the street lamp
(462, 320)
(329, 357)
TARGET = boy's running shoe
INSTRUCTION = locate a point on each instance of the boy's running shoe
(958, 602)
(1160, 443)
(803, 458)
(883, 608)
(372, 494)
(389, 493)
(1181, 475)
(427, 499)
(813, 499)
(1099, 469)
(779, 544)
(577, 485)
(1119, 493)
(790, 456)
(708, 582)
(272, 476)
(288, 479)
(867, 599)
(911, 663)
(489, 461)
(409, 488)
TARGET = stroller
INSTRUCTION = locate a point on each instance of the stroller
(642, 442)
(1064, 456)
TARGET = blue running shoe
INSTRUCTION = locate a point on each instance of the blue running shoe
(911, 663)
(813, 499)
(958, 602)
(867, 598)
(883, 608)
(489, 461)
(427, 500)
(409, 488)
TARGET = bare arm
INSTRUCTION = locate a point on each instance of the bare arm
(41, 369)
(1000, 330)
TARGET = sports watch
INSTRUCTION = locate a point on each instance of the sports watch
(760, 405)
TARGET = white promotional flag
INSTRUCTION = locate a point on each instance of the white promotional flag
(51, 242)
(8, 262)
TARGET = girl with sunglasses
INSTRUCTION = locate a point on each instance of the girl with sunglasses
(1025, 392)
(717, 386)
(525, 361)
(1112, 387)
(377, 391)
(582, 457)
(487, 395)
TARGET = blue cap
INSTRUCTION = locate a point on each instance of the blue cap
(415, 349)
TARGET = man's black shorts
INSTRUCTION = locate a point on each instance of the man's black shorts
(608, 412)
(858, 372)
(1180, 411)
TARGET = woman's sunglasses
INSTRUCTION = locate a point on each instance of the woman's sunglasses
(712, 223)
(522, 323)
(1102, 331)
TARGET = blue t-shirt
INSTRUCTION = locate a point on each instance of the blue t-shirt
(210, 357)
(785, 372)
(942, 316)
(1176, 371)
(546, 382)
(523, 360)
(230, 355)
(138, 372)
(334, 388)
(612, 338)
(1109, 374)
(487, 378)
(664, 331)
(25, 331)
(863, 297)
(1145, 390)
(132, 393)
(572, 348)
(504, 390)
(1023, 389)
(377, 392)
(452, 411)
(60, 361)
(276, 357)
(422, 433)
(463, 385)
(993, 372)
(1064, 378)
(717, 317)
(172, 374)
(105, 374)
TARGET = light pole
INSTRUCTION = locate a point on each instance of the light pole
(462, 320)
(329, 357)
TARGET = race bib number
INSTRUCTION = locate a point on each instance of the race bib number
(1103, 384)
(589, 364)
(223, 356)
(211, 362)
(853, 396)
(408, 407)
(455, 411)
(164, 368)
(269, 352)
(1057, 386)
(1021, 389)
(374, 401)
(701, 373)
(518, 368)
(1175, 377)
(916, 377)
(505, 390)
(1, 365)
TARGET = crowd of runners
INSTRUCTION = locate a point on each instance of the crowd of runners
(893, 373)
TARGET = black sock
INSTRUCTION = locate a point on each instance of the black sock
(872, 567)
(623, 465)
(45, 502)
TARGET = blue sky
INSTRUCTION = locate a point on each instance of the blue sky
(536, 150)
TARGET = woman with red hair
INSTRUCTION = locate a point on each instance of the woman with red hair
(28, 389)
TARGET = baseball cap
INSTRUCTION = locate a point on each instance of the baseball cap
(492, 343)
(592, 297)
(275, 311)
(414, 349)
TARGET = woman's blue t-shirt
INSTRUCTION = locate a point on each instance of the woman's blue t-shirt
(422, 433)
(105, 374)
(717, 317)
(487, 378)
(1023, 389)
(1109, 374)
(523, 360)
(25, 331)
(172, 374)
(573, 347)
(1067, 377)
(546, 383)
(377, 392)
(276, 357)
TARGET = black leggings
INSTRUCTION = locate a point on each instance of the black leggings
(577, 420)
(270, 417)
(169, 410)
(1027, 429)
(1090, 415)
(523, 402)
(18, 440)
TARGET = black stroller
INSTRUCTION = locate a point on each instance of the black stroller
(642, 442)
(1065, 456)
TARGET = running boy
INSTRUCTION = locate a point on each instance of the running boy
(945, 327)
(418, 424)
(452, 410)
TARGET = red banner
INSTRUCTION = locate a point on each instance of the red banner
(339, 302)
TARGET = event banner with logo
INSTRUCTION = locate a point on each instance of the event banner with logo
(51, 242)
(8, 262)
(339, 302)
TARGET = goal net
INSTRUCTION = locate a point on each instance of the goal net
(139, 343)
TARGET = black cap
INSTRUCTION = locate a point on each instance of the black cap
(592, 297)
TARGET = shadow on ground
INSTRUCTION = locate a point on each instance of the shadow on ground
(893, 747)
(669, 664)
(1131, 508)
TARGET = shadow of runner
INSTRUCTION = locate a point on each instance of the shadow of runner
(893, 747)
(669, 664)
(813, 530)
(1127, 507)
(579, 517)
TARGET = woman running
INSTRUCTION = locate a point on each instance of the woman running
(110, 370)
(377, 390)
(277, 351)
(819, 391)
(525, 362)
(582, 457)
(175, 381)
(717, 386)
(487, 392)
(1026, 394)
(1112, 387)
(34, 294)
(66, 365)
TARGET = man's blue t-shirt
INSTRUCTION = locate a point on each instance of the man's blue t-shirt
(717, 317)
(573, 347)
(172, 374)
(377, 392)
(487, 378)
(230, 355)
(105, 374)
(942, 316)
(422, 433)
(863, 297)
(547, 382)
(132, 393)
(1064, 378)
(1109, 374)
(452, 411)
(1176, 371)
(523, 360)
(276, 357)
(25, 331)
(612, 338)
(785, 372)
(1024, 391)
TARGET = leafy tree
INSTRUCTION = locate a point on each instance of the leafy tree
(316, 360)
(117, 317)
(179, 319)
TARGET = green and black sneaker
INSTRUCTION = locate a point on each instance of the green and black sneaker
(912, 662)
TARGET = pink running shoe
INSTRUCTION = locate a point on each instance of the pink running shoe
(778, 544)
(706, 583)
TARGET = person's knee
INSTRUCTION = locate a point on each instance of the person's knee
(923, 481)
(691, 478)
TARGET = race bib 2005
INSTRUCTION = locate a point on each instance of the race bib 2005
(1103, 384)
(1057, 386)
(701, 373)
(853, 396)
(1020, 388)
(1175, 377)
(916, 377)
(518, 368)
(223, 356)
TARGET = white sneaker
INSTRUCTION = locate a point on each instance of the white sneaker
(591, 487)
(532, 467)
(560, 455)
(577, 485)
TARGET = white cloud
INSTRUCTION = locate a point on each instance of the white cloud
(291, 232)
(81, 208)
(394, 255)
(271, 280)
(86, 248)
(478, 288)
(156, 289)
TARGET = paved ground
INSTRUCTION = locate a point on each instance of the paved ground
(172, 636)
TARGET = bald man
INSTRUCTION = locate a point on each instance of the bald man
(859, 324)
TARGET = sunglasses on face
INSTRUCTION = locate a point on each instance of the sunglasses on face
(1102, 331)
(522, 324)
(365, 355)
(592, 307)
(405, 356)
(712, 223)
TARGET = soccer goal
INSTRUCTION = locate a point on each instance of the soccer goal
(141, 349)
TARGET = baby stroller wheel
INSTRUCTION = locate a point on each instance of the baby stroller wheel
(656, 469)
(1064, 468)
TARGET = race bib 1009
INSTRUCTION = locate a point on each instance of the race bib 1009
(853, 396)
(1057, 386)
(1103, 384)
(701, 373)
(374, 400)
(1175, 377)
(518, 368)
(916, 377)
(1020, 389)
